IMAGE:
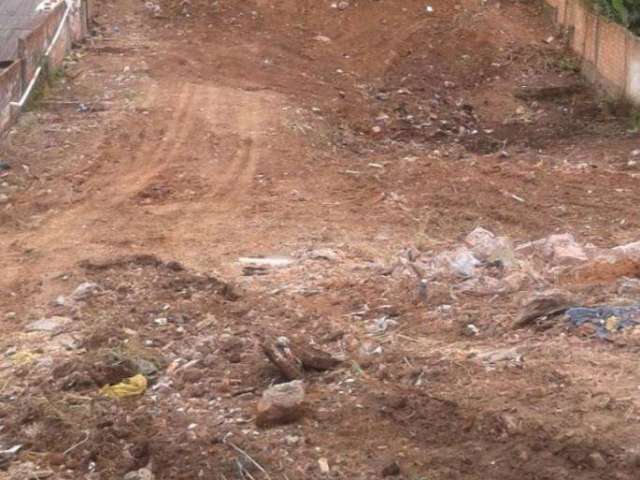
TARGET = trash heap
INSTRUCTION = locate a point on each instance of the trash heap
(553, 275)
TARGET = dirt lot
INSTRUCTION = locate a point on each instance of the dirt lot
(356, 143)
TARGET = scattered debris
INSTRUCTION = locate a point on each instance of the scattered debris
(597, 461)
(85, 290)
(28, 470)
(607, 266)
(431, 86)
(471, 330)
(490, 248)
(291, 356)
(563, 249)
(130, 387)
(267, 261)
(464, 263)
(543, 306)
(51, 324)
(161, 321)
(313, 358)
(281, 404)
(323, 254)
(252, 270)
(381, 325)
(245, 460)
(501, 355)
(142, 474)
(261, 265)
(23, 357)
(282, 356)
(292, 440)
(152, 8)
(605, 319)
(9, 454)
(391, 470)
(323, 463)
(549, 93)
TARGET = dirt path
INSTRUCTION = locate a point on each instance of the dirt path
(359, 144)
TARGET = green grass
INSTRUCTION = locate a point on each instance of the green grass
(49, 78)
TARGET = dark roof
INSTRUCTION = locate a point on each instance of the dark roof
(17, 18)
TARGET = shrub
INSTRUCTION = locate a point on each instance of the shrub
(625, 12)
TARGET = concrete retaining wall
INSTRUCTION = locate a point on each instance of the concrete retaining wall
(610, 53)
(15, 79)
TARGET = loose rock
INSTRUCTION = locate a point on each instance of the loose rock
(546, 304)
(323, 254)
(313, 358)
(291, 356)
(281, 404)
(608, 266)
(489, 248)
(142, 474)
(282, 356)
(391, 470)
(464, 263)
(51, 324)
(85, 290)
(597, 461)
(564, 250)
(324, 465)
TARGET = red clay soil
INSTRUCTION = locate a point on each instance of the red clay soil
(181, 140)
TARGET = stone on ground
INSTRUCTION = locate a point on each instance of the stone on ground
(281, 404)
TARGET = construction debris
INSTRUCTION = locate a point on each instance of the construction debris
(543, 306)
(130, 387)
(293, 356)
(281, 404)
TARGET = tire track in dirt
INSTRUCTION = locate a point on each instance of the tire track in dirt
(178, 128)
(151, 160)
(106, 215)
(241, 120)
(252, 147)
(237, 177)
(241, 172)
(110, 219)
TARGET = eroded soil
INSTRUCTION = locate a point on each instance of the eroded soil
(181, 141)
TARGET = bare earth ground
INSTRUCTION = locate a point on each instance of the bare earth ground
(217, 130)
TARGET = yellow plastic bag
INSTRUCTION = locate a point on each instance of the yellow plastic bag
(129, 387)
(23, 357)
(612, 324)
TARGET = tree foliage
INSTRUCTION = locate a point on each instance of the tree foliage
(625, 12)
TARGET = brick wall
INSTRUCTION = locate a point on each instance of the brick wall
(612, 61)
(10, 91)
(633, 71)
(610, 53)
(579, 37)
(32, 48)
(590, 50)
